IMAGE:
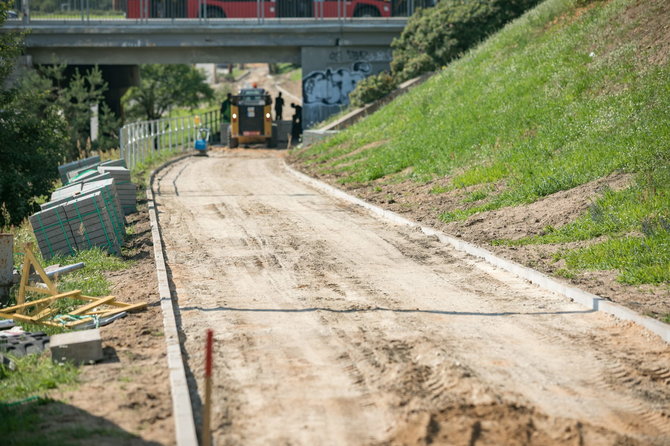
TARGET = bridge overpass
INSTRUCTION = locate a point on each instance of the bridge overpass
(334, 53)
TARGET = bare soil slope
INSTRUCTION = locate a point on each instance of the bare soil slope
(333, 327)
(416, 201)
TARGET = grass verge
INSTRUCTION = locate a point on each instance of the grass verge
(34, 376)
(22, 424)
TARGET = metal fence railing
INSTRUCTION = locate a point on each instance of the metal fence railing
(129, 11)
(142, 140)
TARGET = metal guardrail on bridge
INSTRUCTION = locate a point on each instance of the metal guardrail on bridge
(143, 11)
(140, 141)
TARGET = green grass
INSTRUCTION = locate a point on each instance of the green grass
(283, 68)
(332, 118)
(190, 112)
(636, 229)
(29, 424)
(553, 101)
(34, 376)
(142, 170)
(296, 75)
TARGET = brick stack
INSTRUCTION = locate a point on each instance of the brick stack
(80, 223)
(87, 212)
(125, 188)
(78, 165)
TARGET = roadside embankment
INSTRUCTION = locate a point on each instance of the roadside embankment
(547, 144)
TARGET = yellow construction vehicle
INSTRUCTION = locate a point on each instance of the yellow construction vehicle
(251, 119)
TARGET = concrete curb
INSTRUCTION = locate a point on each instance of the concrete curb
(182, 409)
(587, 299)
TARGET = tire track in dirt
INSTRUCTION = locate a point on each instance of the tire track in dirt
(334, 327)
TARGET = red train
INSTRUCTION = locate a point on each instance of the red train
(254, 9)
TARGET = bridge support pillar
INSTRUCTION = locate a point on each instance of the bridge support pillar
(329, 74)
(119, 79)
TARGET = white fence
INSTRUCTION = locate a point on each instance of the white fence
(142, 140)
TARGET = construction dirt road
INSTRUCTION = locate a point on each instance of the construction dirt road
(333, 327)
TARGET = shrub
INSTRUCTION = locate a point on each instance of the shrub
(433, 37)
(372, 88)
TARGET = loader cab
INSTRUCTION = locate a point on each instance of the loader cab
(251, 118)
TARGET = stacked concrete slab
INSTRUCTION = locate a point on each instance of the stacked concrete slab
(53, 233)
(125, 188)
(109, 194)
(91, 223)
(88, 210)
(65, 169)
(78, 224)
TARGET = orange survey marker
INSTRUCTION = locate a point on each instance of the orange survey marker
(41, 311)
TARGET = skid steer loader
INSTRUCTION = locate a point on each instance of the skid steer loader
(251, 119)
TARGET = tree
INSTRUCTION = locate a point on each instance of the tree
(109, 126)
(32, 136)
(165, 86)
(75, 95)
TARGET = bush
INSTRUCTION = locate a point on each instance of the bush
(433, 37)
(372, 88)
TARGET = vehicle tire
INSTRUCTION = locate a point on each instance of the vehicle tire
(367, 11)
(232, 142)
(272, 142)
(215, 13)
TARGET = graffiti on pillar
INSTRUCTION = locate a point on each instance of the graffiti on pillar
(332, 86)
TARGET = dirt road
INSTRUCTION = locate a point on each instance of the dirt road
(333, 327)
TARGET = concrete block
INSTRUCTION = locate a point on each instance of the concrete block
(83, 174)
(80, 347)
(66, 191)
(119, 163)
(96, 177)
(64, 169)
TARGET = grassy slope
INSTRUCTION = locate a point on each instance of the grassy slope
(562, 96)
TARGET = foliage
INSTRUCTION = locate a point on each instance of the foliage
(433, 37)
(44, 120)
(32, 140)
(555, 100)
(372, 88)
(141, 171)
(34, 375)
(108, 131)
(165, 86)
(74, 94)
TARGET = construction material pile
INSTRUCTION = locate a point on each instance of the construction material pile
(88, 211)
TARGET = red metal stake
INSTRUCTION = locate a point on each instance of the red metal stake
(206, 427)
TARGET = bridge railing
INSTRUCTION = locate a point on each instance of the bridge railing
(142, 140)
(143, 11)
